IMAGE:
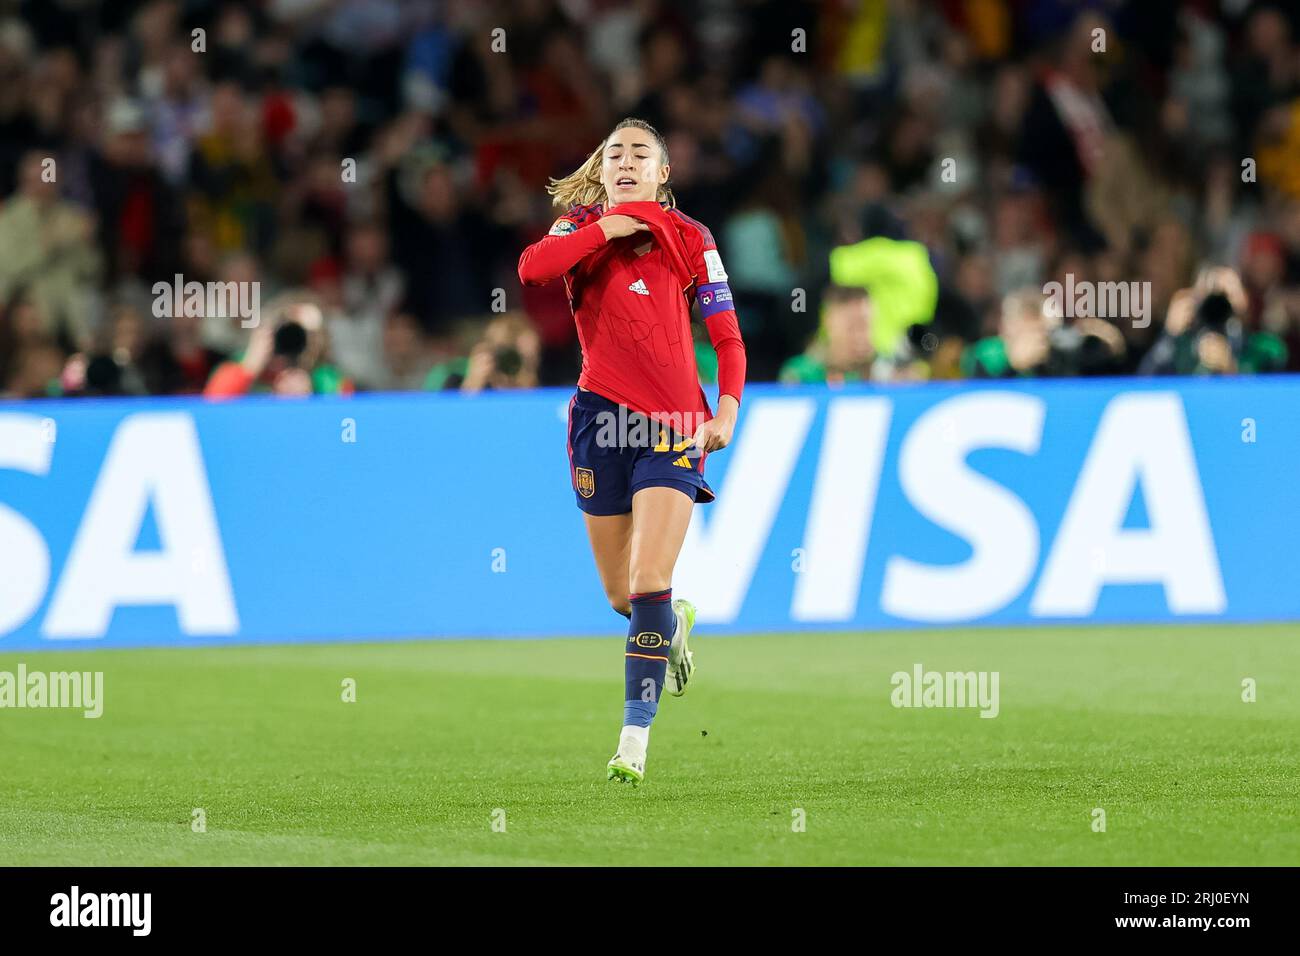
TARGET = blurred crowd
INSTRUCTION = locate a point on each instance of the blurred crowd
(893, 185)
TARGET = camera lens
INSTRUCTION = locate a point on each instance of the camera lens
(290, 340)
(508, 361)
(1214, 311)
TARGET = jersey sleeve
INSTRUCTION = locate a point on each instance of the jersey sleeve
(567, 244)
(719, 313)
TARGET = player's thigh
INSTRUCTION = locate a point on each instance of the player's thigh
(660, 517)
(601, 470)
(611, 545)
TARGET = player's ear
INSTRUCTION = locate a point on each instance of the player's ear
(664, 172)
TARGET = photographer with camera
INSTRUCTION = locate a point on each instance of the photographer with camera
(506, 357)
(1033, 341)
(286, 356)
(1203, 333)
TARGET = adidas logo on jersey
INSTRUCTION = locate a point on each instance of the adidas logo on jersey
(639, 287)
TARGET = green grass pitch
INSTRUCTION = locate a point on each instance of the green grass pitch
(1147, 723)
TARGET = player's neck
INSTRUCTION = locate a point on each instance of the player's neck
(608, 206)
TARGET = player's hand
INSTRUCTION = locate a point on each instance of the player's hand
(615, 226)
(715, 434)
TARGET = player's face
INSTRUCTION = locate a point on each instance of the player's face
(632, 170)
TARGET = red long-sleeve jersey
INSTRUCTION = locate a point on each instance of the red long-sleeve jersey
(633, 312)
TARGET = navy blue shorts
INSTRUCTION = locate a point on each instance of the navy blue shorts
(615, 452)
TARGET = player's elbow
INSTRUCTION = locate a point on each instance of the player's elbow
(725, 335)
(531, 270)
(733, 342)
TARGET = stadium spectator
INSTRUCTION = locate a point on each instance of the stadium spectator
(407, 355)
(287, 355)
(30, 357)
(47, 247)
(372, 289)
(842, 351)
(1031, 341)
(1019, 348)
(1204, 332)
(391, 156)
(506, 357)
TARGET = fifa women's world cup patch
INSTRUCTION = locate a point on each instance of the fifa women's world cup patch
(586, 481)
(714, 298)
(563, 227)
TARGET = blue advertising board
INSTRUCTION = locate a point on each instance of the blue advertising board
(127, 522)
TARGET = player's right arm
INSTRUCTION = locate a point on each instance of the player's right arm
(567, 244)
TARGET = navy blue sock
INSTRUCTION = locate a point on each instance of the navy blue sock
(645, 662)
(626, 614)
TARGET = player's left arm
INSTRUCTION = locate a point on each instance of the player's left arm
(719, 314)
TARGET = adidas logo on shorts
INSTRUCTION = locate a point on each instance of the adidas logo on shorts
(639, 287)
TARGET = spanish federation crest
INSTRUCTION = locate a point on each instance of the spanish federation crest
(586, 482)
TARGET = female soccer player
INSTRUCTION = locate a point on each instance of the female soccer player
(639, 425)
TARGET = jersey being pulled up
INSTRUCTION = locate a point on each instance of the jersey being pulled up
(632, 307)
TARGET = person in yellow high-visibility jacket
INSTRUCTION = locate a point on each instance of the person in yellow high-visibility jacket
(903, 286)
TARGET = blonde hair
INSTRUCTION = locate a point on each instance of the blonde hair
(583, 187)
